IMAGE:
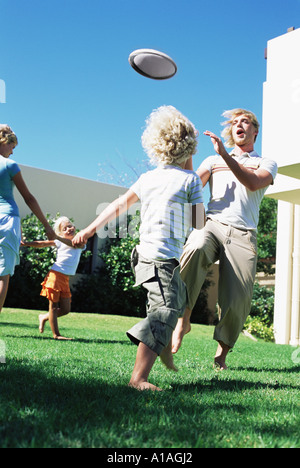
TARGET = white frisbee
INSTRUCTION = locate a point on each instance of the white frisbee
(152, 64)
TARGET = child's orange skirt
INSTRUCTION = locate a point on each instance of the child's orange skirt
(56, 286)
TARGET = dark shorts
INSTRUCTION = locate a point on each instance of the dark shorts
(167, 298)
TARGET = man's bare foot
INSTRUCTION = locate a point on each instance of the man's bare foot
(42, 323)
(220, 357)
(219, 365)
(62, 338)
(182, 328)
(141, 386)
(167, 359)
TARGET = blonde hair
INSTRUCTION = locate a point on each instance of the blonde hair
(7, 137)
(230, 115)
(169, 137)
(59, 222)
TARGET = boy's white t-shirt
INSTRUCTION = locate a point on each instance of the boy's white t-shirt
(67, 259)
(166, 195)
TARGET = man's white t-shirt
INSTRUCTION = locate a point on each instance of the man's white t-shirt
(166, 195)
(231, 202)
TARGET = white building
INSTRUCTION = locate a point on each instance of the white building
(74, 197)
(281, 129)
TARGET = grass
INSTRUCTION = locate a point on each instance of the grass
(75, 394)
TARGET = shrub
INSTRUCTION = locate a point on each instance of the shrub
(260, 320)
(256, 327)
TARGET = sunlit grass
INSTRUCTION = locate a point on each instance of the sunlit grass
(75, 394)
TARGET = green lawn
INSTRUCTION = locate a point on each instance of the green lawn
(75, 394)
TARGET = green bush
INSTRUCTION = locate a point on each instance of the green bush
(260, 321)
(257, 328)
(263, 304)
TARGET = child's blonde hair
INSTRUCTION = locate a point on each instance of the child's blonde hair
(230, 115)
(7, 137)
(169, 137)
(59, 222)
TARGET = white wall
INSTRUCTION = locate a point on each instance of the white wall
(73, 197)
(281, 127)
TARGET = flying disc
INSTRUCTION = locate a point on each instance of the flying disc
(152, 64)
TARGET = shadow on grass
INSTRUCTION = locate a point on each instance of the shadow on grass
(42, 405)
(285, 370)
(43, 337)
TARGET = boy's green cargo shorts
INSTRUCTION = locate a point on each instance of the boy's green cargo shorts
(167, 298)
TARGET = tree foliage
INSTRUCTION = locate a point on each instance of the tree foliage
(267, 235)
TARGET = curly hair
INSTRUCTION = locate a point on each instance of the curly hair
(7, 137)
(230, 115)
(169, 137)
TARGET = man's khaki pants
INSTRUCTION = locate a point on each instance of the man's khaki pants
(236, 251)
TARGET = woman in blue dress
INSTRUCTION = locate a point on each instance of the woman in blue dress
(10, 223)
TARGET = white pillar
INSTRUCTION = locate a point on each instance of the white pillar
(283, 279)
(295, 310)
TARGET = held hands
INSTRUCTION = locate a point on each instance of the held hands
(218, 144)
(81, 238)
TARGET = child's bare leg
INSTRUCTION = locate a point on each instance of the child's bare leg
(53, 306)
(182, 328)
(53, 315)
(145, 359)
(4, 282)
(64, 309)
(167, 359)
(43, 318)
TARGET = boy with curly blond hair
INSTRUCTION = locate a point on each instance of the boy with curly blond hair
(171, 202)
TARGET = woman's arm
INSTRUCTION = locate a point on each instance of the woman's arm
(32, 203)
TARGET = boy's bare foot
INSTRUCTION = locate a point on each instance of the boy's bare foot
(141, 386)
(167, 359)
(182, 328)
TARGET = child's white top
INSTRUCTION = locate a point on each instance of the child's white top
(67, 259)
(166, 194)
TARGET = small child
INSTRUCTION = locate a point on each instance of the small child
(170, 198)
(56, 286)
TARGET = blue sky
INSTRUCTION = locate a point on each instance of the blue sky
(74, 101)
